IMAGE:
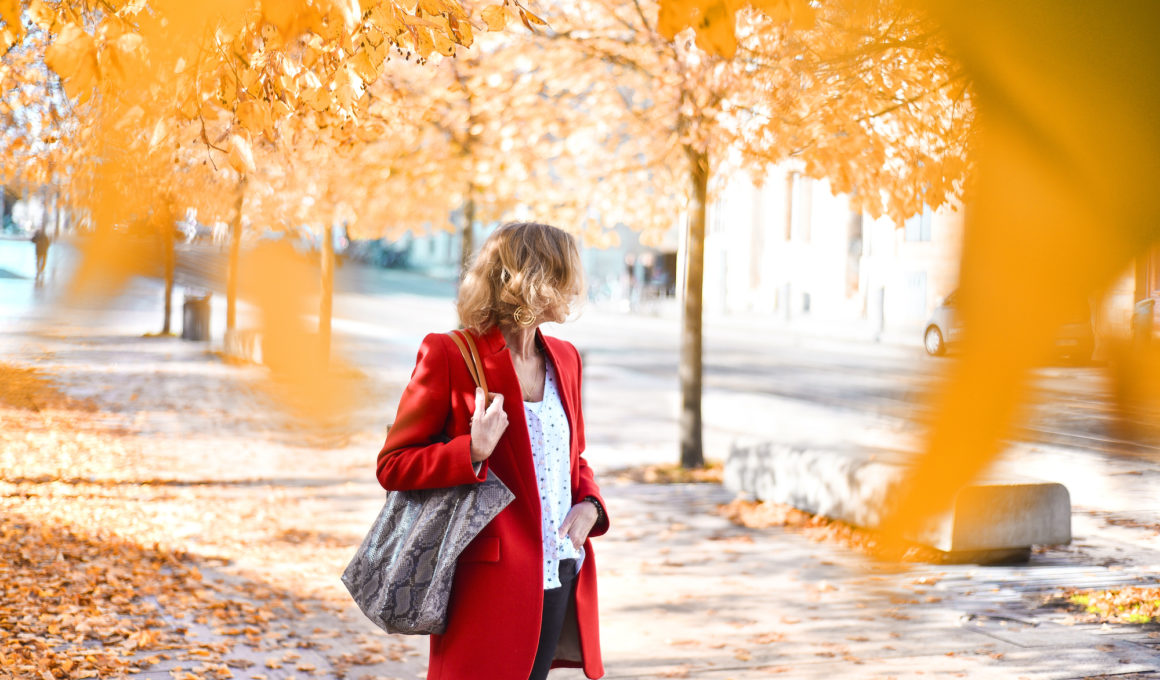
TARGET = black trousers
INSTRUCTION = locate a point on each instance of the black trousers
(555, 607)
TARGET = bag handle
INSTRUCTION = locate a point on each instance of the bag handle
(471, 358)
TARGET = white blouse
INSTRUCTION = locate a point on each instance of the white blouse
(550, 435)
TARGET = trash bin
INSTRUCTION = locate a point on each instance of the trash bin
(195, 317)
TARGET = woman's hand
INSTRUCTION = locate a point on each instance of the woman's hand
(487, 426)
(578, 522)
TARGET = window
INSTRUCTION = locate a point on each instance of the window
(1149, 267)
(799, 198)
(918, 227)
(789, 182)
(717, 217)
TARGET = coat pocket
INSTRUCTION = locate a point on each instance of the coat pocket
(482, 549)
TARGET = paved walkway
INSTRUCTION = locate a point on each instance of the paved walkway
(684, 593)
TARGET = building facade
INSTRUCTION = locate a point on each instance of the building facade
(787, 247)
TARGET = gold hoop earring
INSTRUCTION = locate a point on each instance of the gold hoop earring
(524, 316)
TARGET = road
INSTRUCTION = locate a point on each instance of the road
(1074, 404)
(806, 388)
(884, 386)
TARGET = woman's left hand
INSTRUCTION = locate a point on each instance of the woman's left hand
(578, 522)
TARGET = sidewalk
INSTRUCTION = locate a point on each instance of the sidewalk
(187, 463)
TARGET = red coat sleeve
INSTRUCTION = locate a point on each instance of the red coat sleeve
(418, 454)
(587, 486)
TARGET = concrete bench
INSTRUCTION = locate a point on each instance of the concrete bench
(989, 521)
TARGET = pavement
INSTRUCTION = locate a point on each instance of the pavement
(684, 592)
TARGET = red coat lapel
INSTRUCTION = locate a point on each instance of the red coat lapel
(568, 380)
(502, 379)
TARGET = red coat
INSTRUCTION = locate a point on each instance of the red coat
(497, 597)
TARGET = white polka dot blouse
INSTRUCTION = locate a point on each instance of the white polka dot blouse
(550, 435)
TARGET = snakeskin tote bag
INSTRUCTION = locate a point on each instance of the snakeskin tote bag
(401, 575)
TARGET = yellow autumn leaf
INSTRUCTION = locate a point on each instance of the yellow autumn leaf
(281, 109)
(424, 45)
(435, 7)
(713, 21)
(412, 20)
(350, 12)
(190, 107)
(319, 100)
(344, 90)
(533, 18)
(41, 14)
(10, 13)
(461, 30)
(241, 157)
(313, 51)
(443, 45)
(282, 13)
(228, 94)
(364, 66)
(777, 10)
(159, 134)
(715, 30)
(387, 19)
(496, 17)
(802, 15)
(73, 56)
(673, 17)
(253, 115)
(252, 81)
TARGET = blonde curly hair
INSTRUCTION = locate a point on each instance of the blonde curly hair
(523, 264)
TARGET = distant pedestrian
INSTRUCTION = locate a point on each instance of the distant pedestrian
(41, 241)
(524, 595)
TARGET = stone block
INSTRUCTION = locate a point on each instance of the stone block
(992, 520)
(243, 345)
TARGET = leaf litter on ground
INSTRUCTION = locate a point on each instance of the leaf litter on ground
(763, 514)
(105, 568)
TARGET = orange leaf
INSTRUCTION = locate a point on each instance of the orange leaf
(496, 17)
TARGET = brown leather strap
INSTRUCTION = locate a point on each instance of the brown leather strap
(471, 358)
(455, 337)
(478, 363)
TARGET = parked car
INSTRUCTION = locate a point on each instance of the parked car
(943, 327)
(301, 241)
(1146, 321)
(1074, 341)
(380, 252)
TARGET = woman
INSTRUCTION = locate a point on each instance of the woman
(524, 597)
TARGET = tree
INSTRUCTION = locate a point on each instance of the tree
(865, 96)
(487, 136)
(36, 123)
(234, 69)
(164, 91)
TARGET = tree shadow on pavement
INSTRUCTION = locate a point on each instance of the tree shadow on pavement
(166, 386)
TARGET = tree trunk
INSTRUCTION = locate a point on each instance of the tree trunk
(692, 450)
(44, 210)
(326, 299)
(467, 244)
(235, 250)
(169, 248)
(467, 240)
(59, 216)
